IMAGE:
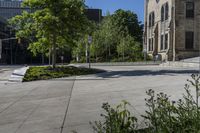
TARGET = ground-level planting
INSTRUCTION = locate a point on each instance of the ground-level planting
(47, 72)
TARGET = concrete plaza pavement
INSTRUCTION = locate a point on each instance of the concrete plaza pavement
(35, 107)
(71, 103)
(121, 83)
(6, 71)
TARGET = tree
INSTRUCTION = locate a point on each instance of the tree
(117, 34)
(127, 20)
(129, 47)
(51, 24)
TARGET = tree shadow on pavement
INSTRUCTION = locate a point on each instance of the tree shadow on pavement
(117, 74)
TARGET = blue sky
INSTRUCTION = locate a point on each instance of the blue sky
(136, 6)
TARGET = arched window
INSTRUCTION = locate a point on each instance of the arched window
(166, 11)
(153, 18)
(162, 13)
(150, 20)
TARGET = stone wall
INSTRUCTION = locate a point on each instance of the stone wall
(163, 27)
(184, 24)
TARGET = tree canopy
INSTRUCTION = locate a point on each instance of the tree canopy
(117, 38)
(51, 24)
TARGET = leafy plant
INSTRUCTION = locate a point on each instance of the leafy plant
(117, 120)
(162, 115)
(44, 73)
(180, 116)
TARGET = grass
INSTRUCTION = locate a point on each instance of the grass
(47, 72)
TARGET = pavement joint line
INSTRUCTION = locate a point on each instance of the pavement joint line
(21, 125)
(34, 109)
(17, 100)
(65, 116)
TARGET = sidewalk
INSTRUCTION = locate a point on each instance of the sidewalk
(47, 106)
(122, 83)
(34, 107)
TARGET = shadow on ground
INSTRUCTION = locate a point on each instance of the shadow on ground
(117, 74)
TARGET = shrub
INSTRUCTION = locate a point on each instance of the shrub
(117, 120)
(162, 116)
(44, 73)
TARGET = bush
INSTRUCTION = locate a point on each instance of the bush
(44, 73)
(117, 120)
(162, 116)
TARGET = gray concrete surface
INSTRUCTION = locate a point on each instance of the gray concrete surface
(192, 60)
(35, 107)
(18, 74)
(41, 106)
(6, 71)
(185, 63)
(121, 83)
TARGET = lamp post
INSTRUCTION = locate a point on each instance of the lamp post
(88, 50)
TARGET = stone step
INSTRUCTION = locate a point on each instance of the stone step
(18, 74)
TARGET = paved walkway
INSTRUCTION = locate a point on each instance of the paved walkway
(47, 106)
(36, 107)
(121, 83)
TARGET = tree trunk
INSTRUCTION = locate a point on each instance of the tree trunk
(96, 57)
(42, 58)
(123, 51)
(109, 51)
(54, 52)
(50, 56)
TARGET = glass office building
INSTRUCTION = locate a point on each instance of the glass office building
(11, 8)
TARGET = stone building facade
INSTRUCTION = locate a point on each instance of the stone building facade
(172, 29)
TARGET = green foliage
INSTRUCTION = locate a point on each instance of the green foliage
(51, 25)
(117, 120)
(127, 22)
(128, 47)
(163, 115)
(118, 36)
(44, 73)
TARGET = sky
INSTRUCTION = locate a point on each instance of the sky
(136, 6)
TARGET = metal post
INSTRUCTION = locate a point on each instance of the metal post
(89, 56)
(49, 56)
(11, 54)
(86, 53)
(88, 49)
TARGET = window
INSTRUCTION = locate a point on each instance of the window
(151, 44)
(164, 12)
(166, 41)
(190, 10)
(151, 19)
(189, 40)
(162, 42)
